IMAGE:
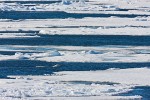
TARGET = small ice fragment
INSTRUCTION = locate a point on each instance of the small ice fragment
(57, 65)
(93, 52)
(20, 55)
(44, 32)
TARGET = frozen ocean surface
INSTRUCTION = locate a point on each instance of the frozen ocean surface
(70, 50)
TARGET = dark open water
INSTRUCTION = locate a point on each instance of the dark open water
(79, 40)
(56, 14)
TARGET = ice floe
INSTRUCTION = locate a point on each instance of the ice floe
(133, 7)
(85, 26)
(79, 54)
(100, 84)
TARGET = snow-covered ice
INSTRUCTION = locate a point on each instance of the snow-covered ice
(113, 6)
(76, 84)
(125, 17)
(79, 53)
(85, 26)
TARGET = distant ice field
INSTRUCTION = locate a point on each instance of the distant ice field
(31, 2)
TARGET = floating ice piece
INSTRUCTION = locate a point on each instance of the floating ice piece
(141, 19)
(54, 53)
(66, 2)
(81, 2)
(57, 65)
(48, 32)
(46, 54)
(43, 32)
(93, 52)
(109, 6)
(20, 55)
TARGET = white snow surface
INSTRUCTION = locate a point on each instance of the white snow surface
(99, 6)
(79, 53)
(85, 26)
(76, 84)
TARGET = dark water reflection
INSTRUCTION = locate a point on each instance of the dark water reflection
(79, 40)
(57, 14)
(33, 67)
